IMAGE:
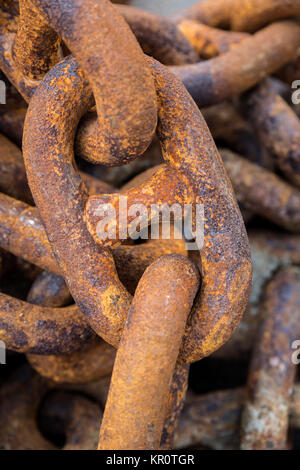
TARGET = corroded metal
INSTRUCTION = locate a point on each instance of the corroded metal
(176, 397)
(93, 94)
(263, 191)
(207, 184)
(240, 15)
(213, 420)
(97, 30)
(149, 346)
(49, 290)
(29, 47)
(270, 251)
(25, 395)
(243, 66)
(75, 416)
(278, 128)
(13, 179)
(159, 37)
(227, 124)
(20, 398)
(209, 42)
(272, 371)
(22, 233)
(43, 330)
(93, 361)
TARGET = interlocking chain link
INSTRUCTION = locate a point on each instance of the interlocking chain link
(94, 82)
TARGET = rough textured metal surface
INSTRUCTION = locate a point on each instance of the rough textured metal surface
(103, 44)
(93, 300)
(21, 325)
(270, 251)
(227, 125)
(240, 15)
(213, 420)
(49, 290)
(176, 397)
(207, 41)
(149, 346)
(159, 37)
(13, 179)
(76, 416)
(30, 328)
(22, 233)
(210, 323)
(259, 189)
(131, 136)
(272, 371)
(89, 270)
(58, 338)
(278, 128)
(243, 66)
(91, 362)
(165, 186)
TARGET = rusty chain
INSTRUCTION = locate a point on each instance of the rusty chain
(192, 109)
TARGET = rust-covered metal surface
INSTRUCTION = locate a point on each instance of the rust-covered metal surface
(26, 327)
(91, 362)
(242, 15)
(97, 31)
(272, 372)
(89, 270)
(22, 233)
(209, 42)
(243, 66)
(213, 420)
(278, 127)
(159, 37)
(149, 347)
(25, 395)
(263, 191)
(100, 102)
(271, 250)
(211, 188)
(37, 40)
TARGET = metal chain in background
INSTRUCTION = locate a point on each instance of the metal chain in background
(60, 342)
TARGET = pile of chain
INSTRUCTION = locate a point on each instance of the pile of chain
(100, 334)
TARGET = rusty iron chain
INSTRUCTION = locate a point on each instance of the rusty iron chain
(179, 110)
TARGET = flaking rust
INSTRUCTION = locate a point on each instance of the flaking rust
(207, 185)
(272, 371)
(149, 347)
(109, 328)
